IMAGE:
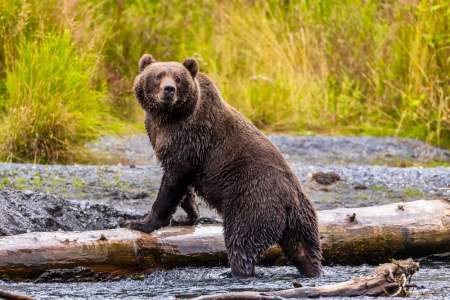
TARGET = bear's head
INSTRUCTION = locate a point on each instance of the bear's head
(167, 90)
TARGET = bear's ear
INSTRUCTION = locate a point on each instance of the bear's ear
(192, 66)
(145, 60)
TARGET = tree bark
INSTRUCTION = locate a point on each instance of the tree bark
(390, 279)
(349, 236)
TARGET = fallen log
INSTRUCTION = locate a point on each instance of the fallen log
(391, 279)
(349, 236)
(13, 296)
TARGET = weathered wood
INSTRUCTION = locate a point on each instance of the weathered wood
(390, 279)
(349, 236)
(13, 296)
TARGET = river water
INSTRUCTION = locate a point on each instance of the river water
(433, 280)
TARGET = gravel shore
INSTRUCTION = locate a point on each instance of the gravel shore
(136, 149)
(128, 190)
(136, 186)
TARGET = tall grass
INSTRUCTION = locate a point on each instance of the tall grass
(52, 99)
(51, 109)
(352, 67)
(349, 67)
(333, 67)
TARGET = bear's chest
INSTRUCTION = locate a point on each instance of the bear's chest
(178, 147)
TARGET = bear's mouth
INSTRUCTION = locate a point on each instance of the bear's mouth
(168, 99)
(166, 103)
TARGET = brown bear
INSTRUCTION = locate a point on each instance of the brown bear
(206, 145)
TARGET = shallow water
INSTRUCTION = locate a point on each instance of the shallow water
(433, 280)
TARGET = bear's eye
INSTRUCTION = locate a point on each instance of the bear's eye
(159, 76)
(177, 79)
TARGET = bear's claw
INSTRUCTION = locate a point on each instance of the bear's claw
(140, 225)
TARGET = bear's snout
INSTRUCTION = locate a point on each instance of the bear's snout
(168, 89)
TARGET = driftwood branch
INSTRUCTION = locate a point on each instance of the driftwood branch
(391, 279)
(13, 296)
(372, 235)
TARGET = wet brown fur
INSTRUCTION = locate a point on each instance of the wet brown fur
(205, 144)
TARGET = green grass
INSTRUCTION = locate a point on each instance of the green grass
(79, 183)
(4, 182)
(37, 181)
(406, 163)
(51, 110)
(346, 67)
(377, 188)
(20, 183)
(412, 193)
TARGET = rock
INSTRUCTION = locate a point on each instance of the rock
(360, 187)
(77, 274)
(326, 178)
(139, 195)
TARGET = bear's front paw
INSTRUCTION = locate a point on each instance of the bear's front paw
(141, 225)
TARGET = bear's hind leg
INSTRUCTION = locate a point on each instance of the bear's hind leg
(247, 234)
(242, 262)
(307, 258)
(190, 206)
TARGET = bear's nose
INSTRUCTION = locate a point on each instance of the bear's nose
(169, 90)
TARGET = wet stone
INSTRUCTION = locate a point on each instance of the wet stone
(78, 274)
(326, 178)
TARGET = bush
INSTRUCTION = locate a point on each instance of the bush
(51, 110)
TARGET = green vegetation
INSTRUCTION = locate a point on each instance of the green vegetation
(4, 182)
(407, 163)
(37, 181)
(377, 188)
(20, 183)
(78, 183)
(347, 67)
(412, 192)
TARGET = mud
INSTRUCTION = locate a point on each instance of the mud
(26, 211)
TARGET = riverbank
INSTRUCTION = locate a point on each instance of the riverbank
(116, 191)
(335, 172)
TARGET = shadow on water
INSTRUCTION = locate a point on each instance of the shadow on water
(432, 280)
